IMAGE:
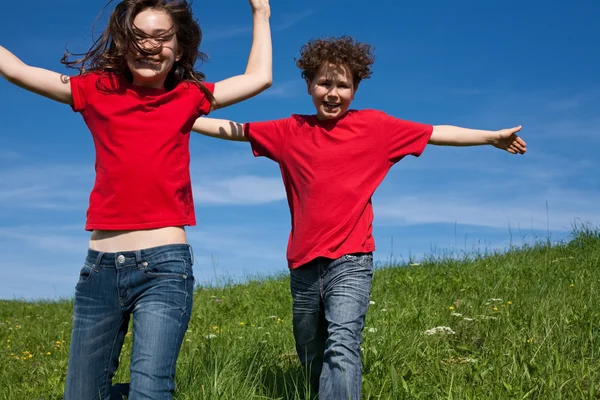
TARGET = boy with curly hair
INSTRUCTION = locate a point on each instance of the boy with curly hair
(331, 164)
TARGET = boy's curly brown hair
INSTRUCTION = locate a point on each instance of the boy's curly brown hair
(358, 57)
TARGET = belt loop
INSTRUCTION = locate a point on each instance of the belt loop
(191, 254)
(98, 260)
(138, 257)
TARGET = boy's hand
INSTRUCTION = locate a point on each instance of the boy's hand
(261, 6)
(508, 140)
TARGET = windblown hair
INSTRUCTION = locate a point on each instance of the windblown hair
(358, 57)
(109, 52)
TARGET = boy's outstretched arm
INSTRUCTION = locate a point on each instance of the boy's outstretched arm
(41, 81)
(504, 139)
(259, 71)
(220, 128)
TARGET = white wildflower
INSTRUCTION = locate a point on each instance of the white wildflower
(384, 310)
(467, 319)
(444, 330)
(211, 336)
(456, 314)
(371, 302)
(372, 330)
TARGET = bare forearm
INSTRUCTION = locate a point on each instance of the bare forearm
(9, 65)
(260, 60)
(220, 129)
(447, 135)
(37, 80)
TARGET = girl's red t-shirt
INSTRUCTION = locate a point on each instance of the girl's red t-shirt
(141, 137)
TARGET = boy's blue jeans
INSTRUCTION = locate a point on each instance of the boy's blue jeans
(153, 285)
(331, 298)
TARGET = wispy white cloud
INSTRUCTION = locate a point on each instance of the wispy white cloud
(54, 239)
(58, 187)
(279, 23)
(226, 33)
(243, 190)
(287, 21)
(9, 155)
(286, 90)
(552, 114)
(495, 192)
(453, 208)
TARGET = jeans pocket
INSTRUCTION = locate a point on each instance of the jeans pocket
(86, 272)
(174, 268)
(363, 259)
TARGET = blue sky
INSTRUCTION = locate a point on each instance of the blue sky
(478, 64)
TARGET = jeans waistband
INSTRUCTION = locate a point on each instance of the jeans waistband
(129, 258)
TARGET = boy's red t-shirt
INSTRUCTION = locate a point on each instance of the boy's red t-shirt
(330, 170)
(141, 137)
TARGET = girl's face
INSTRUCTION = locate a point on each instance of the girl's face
(151, 71)
(332, 90)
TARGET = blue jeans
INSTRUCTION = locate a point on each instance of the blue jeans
(153, 285)
(331, 298)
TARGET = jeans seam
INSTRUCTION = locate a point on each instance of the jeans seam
(108, 381)
(173, 359)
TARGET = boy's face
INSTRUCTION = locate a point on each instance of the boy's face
(332, 90)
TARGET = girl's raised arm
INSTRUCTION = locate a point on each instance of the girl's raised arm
(50, 84)
(259, 72)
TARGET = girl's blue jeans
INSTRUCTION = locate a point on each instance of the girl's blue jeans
(155, 287)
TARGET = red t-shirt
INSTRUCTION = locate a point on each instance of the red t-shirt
(141, 136)
(330, 170)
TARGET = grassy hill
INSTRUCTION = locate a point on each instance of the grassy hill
(521, 325)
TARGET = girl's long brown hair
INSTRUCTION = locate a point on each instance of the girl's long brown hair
(109, 52)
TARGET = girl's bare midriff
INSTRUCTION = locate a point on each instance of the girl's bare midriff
(115, 241)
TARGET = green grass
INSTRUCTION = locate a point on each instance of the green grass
(540, 338)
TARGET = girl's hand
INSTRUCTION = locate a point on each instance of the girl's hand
(508, 140)
(261, 6)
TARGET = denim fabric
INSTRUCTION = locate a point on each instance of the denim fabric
(155, 286)
(331, 298)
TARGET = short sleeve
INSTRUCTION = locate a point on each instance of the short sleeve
(404, 137)
(205, 102)
(267, 138)
(78, 86)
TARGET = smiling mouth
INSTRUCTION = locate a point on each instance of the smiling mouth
(330, 105)
(147, 61)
